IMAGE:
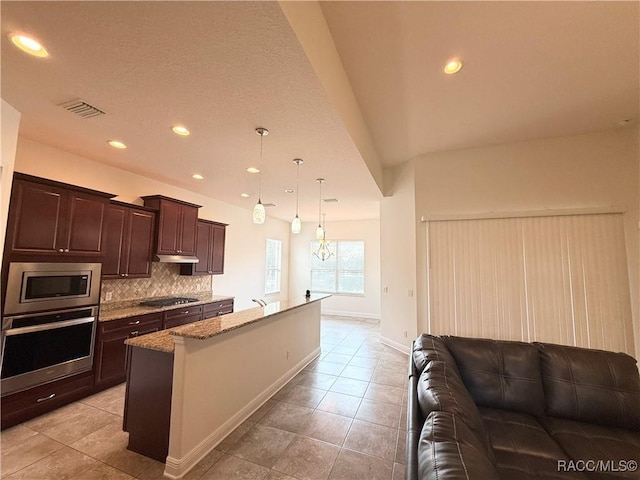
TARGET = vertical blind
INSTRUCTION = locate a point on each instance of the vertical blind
(558, 279)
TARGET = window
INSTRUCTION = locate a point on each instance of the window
(343, 272)
(273, 267)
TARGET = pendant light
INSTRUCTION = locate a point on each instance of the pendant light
(320, 230)
(296, 224)
(259, 213)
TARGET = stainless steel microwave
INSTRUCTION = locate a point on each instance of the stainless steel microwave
(36, 287)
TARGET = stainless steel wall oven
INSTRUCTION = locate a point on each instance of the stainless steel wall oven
(49, 323)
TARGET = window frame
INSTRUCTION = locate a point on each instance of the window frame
(277, 268)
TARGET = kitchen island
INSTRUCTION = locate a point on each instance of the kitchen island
(189, 387)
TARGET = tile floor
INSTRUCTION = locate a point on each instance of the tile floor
(342, 418)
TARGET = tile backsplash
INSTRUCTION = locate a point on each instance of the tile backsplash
(165, 280)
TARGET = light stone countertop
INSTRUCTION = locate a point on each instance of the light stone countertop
(117, 312)
(163, 340)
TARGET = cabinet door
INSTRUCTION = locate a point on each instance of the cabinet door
(38, 218)
(114, 234)
(111, 365)
(169, 228)
(86, 217)
(217, 255)
(189, 220)
(203, 249)
(140, 244)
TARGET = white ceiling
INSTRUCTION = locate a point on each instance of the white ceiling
(532, 70)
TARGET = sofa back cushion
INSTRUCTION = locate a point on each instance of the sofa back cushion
(500, 374)
(591, 385)
(440, 389)
(427, 348)
(448, 449)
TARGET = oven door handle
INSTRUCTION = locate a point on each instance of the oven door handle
(48, 326)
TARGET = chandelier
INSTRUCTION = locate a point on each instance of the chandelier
(323, 252)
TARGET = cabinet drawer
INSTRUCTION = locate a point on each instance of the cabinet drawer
(215, 307)
(21, 406)
(131, 323)
(179, 320)
(187, 310)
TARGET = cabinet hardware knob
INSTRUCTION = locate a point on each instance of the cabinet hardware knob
(122, 274)
(66, 250)
(134, 323)
(61, 250)
(43, 399)
(134, 333)
(186, 311)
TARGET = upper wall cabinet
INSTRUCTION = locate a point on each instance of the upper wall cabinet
(129, 241)
(55, 219)
(210, 240)
(176, 232)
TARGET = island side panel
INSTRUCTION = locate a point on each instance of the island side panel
(148, 401)
(220, 381)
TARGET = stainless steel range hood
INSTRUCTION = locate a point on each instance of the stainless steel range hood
(177, 259)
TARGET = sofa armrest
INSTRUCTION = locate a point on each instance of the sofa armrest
(414, 422)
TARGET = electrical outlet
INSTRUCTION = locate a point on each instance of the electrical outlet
(108, 296)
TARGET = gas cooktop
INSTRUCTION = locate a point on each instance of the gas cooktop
(166, 302)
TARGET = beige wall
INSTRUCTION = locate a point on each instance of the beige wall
(300, 266)
(10, 122)
(398, 267)
(245, 242)
(585, 171)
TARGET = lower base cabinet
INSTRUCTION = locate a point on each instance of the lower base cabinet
(21, 406)
(111, 364)
(147, 411)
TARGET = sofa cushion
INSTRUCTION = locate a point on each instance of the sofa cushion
(500, 374)
(591, 385)
(427, 348)
(449, 450)
(522, 447)
(440, 389)
(603, 453)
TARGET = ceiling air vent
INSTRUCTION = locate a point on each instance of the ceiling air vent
(82, 108)
(330, 200)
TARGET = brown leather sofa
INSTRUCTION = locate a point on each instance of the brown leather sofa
(496, 410)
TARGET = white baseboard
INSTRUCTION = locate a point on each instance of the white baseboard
(342, 313)
(398, 346)
(176, 468)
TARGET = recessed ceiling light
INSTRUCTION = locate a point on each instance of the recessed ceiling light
(29, 45)
(289, 190)
(253, 170)
(453, 66)
(117, 144)
(244, 195)
(197, 176)
(180, 130)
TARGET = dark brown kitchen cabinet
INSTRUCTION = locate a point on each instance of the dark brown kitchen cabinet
(176, 232)
(110, 354)
(21, 406)
(210, 243)
(215, 309)
(182, 316)
(50, 218)
(129, 241)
